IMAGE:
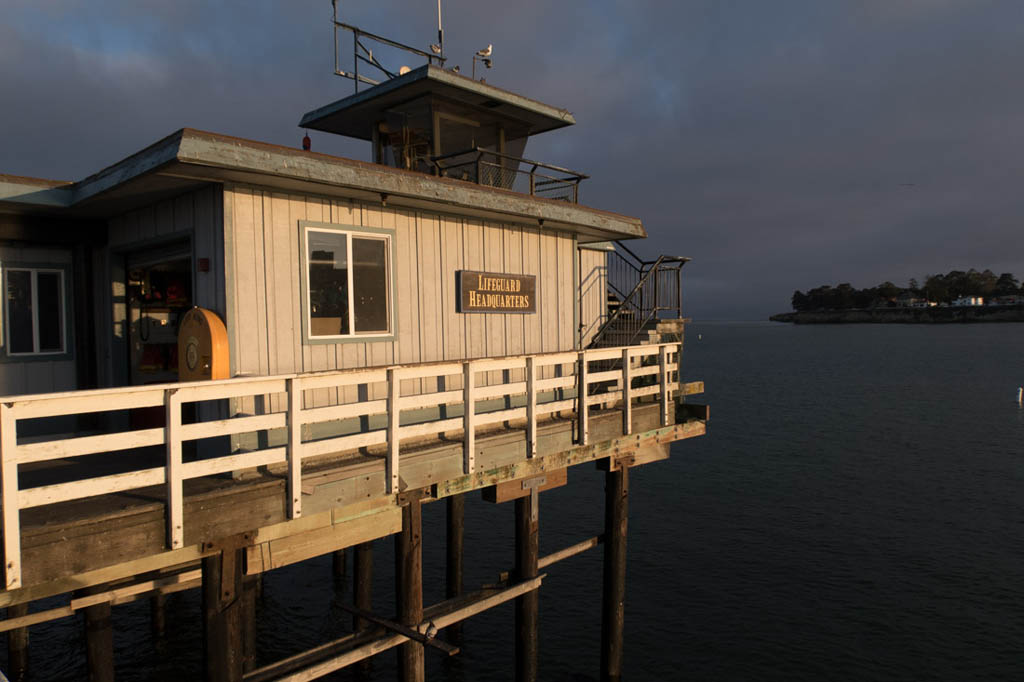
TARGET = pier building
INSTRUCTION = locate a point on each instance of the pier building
(221, 357)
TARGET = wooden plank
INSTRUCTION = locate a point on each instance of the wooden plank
(556, 382)
(230, 388)
(469, 426)
(627, 398)
(79, 402)
(430, 399)
(291, 549)
(557, 406)
(582, 413)
(348, 377)
(604, 354)
(531, 407)
(244, 460)
(87, 445)
(500, 390)
(513, 490)
(693, 388)
(432, 370)
(485, 418)
(174, 472)
(90, 487)
(319, 415)
(432, 428)
(331, 445)
(394, 435)
(227, 427)
(499, 363)
(294, 453)
(9, 491)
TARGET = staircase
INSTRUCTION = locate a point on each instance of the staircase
(644, 300)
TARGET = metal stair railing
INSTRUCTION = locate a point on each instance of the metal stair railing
(639, 291)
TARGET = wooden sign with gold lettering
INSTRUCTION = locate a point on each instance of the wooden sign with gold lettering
(496, 292)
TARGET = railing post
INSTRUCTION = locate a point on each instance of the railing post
(533, 180)
(531, 407)
(679, 291)
(627, 398)
(479, 180)
(175, 492)
(468, 420)
(294, 389)
(663, 380)
(582, 416)
(394, 412)
(9, 487)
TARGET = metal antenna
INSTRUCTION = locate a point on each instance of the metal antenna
(440, 31)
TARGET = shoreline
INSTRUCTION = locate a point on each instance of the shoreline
(937, 315)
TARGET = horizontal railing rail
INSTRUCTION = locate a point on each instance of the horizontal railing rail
(532, 386)
(495, 169)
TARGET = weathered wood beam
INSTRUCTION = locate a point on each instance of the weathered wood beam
(99, 642)
(17, 645)
(409, 588)
(527, 605)
(616, 514)
(222, 615)
(454, 544)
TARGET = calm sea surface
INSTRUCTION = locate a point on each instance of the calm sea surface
(856, 512)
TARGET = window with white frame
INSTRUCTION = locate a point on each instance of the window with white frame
(348, 283)
(34, 311)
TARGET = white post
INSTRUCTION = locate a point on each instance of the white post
(394, 414)
(531, 407)
(468, 420)
(9, 487)
(1020, 395)
(175, 492)
(627, 398)
(294, 389)
(663, 380)
(582, 412)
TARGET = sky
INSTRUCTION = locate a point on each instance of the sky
(781, 145)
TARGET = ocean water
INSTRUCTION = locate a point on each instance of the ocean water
(856, 512)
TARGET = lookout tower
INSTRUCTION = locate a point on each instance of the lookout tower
(435, 120)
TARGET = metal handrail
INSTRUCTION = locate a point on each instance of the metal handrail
(475, 157)
(654, 287)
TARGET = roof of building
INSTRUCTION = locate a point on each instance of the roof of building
(189, 159)
(355, 116)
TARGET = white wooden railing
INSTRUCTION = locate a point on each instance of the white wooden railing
(545, 379)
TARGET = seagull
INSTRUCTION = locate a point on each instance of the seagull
(435, 48)
(486, 52)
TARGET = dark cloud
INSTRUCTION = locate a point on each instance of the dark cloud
(780, 145)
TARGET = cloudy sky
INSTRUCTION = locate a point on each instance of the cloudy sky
(780, 144)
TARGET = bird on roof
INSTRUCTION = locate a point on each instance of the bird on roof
(485, 52)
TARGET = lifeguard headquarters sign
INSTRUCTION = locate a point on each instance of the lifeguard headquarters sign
(496, 292)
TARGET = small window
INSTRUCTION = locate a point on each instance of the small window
(348, 283)
(34, 307)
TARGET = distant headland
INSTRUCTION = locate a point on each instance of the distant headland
(957, 296)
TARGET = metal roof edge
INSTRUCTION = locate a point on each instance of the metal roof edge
(34, 192)
(236, 154)
(143, 161)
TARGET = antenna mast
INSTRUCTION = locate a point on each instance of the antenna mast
(440, 31)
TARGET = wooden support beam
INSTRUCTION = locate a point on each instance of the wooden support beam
(294, 389)
(468, 420)
(613, 598)
(454, 542)
(339, 565)
(409, 632)
(527, 605)
(250, 586)
(175, 491)
(99, 642)
(521, 487)
(158, 615)
(17, 645)
(582, 390)
(9, 495)
(394, 440)
(531, 406)
(223, 614)
(627, 389)
(409, 588)
(362, 582)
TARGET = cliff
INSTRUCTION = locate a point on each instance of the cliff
(1010, 313)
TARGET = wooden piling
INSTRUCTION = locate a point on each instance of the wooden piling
(362, 579)
(17, 645)
(527, 605)
(250, 586)
(454, 536)
(339, 565)
(616, 515)
(223, 615)
(158, 615)
(409, 588)
(99, 642)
